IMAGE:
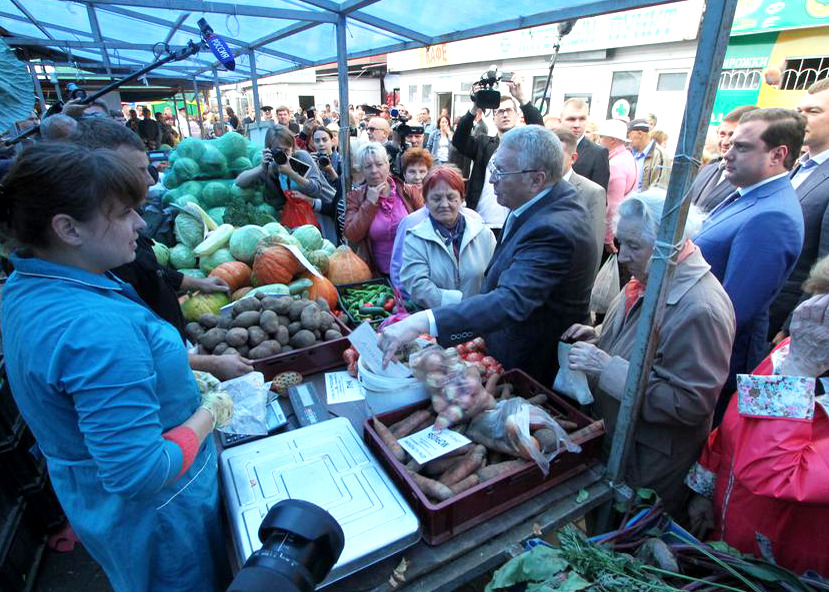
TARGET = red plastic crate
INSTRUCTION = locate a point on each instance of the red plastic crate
(308, 360)
(446, 519)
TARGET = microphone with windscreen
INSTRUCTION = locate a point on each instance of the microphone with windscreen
(217, 45)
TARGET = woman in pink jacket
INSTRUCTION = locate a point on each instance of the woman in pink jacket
(612, 135)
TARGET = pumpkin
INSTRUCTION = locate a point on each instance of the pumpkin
(240, 293)
(274, 265)
(318, 259)
(235, 274)
(346, 267)
(322, 288)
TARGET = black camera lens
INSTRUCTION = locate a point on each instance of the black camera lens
(75, 92)
(323, 160)
(279, 156)
(301, 542)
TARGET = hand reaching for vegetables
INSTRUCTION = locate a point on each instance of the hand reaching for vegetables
(205, 285)
(578, 332)
(227, 367)
(588, 358)
(394, 336)
(700, 516)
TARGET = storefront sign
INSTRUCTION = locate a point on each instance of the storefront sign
(666, 23)
(756, 16)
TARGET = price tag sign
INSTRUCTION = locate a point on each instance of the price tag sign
(427, 444)
(365, 341)
(302, 260)
(341, 387)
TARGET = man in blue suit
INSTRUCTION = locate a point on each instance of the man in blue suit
(540, 276)
(753, 238)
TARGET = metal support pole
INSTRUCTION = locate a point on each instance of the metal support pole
(56, 84)
(342, 78)
(702, 87)
(254, 79)
(175, 115)
(38, 88)
(198, 105)
(218, 94)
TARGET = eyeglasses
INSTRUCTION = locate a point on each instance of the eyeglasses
(496, 175)
(507, 111)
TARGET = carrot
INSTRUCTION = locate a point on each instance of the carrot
(433, 489)
(407, 426)
(547, 439)
(470, 463)
(468, 483)
(567, 425)
(389, 440)
(494, 471)
(437, 467)
(413, 465)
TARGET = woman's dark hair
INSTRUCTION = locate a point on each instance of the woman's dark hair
(324, 129)
(60, 178)
(279, 136)
(448, 121)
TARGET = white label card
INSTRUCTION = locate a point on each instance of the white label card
(365, 341)
(427, 444)
(302, 260)
(341, 387)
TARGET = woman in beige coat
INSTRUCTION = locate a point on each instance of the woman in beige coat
(691, 361)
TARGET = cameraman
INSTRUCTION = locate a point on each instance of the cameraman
(480, 195)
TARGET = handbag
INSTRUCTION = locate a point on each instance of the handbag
(606, 286)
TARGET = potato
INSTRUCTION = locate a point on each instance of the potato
(330, 335)
(247, 319)
(224, 322)
(220, 349)
(212, 338)
(293, 328)
(261, 295)
(286, 349)
(269, 321)
(283, 336)
(326, 321)
(296, 308)
(237, 336)
(283, 305)
(283, 320)
(208, 321)
(230, 351)
(322, 303)
(310, 317)
(265, 349)
(256, 335)
(303, 338)
(317, 335)
(243, 350)
(194, 331)
(246, 305)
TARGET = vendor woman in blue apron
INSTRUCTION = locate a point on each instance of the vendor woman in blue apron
(102, 381)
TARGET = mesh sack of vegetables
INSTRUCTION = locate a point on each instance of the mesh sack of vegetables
(507, 429)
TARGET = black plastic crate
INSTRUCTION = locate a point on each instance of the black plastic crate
(21, 549)
(341, 289)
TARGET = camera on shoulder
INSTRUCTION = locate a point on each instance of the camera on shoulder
(485, 93)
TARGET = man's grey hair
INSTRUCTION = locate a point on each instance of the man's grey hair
(58, 127)
(647, 207)
(375, 149)
(538, 149)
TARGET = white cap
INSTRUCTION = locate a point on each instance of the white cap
(613, 128)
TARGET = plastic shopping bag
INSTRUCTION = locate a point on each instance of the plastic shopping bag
(572, 383)
(297, 212)
(606, 287)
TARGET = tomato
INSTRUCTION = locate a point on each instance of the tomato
(474, 357)
(462, 350)
(478, 344)
(489, 361)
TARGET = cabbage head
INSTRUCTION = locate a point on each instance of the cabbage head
(214, 195)
(240, 164)
(213, 163)
(189, 229)
(169, 180)
(217, 214)
(190, 148)
(192, 187)
(185, 169)
(233, 145)
(183, 200)
(244, 240)
(208, 263)
(182, 257)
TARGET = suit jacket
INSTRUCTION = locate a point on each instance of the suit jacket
(481, 148)
(752, 245)
(706, 193)
(813, 194)
(593, 162)
(537, 285)
(594, 199)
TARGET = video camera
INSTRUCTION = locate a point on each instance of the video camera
(301, 542)
(402, 127)
(484, 92)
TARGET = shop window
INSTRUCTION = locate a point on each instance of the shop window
(412, 93)
(586, 97)
(740, 79)
(539, 82)
(426, 93)
(801, 73)
(671, 81)
(624, 94)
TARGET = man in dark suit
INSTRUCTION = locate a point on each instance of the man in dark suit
(710, 186)
(810, 179)
(539, 279)
(481, 148)
(593, 161)
(753, 238)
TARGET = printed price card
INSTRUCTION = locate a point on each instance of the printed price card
(341, 387)
(427, 444)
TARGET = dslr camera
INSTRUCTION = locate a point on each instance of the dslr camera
(322, 159)
(402, 128)
(485, 93)
(279, 156)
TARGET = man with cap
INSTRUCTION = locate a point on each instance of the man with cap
(612, 134)
(653, 165)
(267, 113)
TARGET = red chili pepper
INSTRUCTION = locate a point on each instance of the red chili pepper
(368, 304)
(389, 304)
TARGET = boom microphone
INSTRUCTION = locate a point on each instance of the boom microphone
(217, 45)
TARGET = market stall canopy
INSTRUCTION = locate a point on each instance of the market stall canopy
(267, 36)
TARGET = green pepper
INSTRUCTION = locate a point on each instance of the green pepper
(374, 311)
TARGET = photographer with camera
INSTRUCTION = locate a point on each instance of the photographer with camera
(480, 195)
(328, 161)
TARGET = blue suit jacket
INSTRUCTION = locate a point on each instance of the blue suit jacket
(537, 285)
(752, 245)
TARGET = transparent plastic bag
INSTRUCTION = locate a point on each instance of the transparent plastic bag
(455, 387)
(572, 383)
(250, 397)
(606, 286)
(508, 427)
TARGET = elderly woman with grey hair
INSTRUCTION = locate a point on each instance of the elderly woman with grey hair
(374, 211)
(692, 353)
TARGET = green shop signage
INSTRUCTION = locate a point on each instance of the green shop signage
(756, 16)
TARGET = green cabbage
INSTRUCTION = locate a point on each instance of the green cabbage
(190, 148)
(275, 228)
(207, 264)
(256, 158)
(240, 164)
(189, 230)
(233, 145)
(185, 169)
(193, 272)
(192, 187)
(200, 304)
(162, 253)
(309, 237)
(328, 247)
(217, 214)
(182, 257)
(267, 208)
(183, 200)
(214, 195)
(213, 163)
(170, 196)
(244, 240)
(169, 180)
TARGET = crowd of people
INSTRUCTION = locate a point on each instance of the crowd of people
(497, 234)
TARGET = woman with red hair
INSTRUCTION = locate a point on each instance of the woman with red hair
(445, 256)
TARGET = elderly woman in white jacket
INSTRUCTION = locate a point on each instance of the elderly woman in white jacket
(445, 256)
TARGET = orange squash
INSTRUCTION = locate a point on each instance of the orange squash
(240, 293)
(346, 267)
(274, 265)
(322, 288)
(235, 274)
